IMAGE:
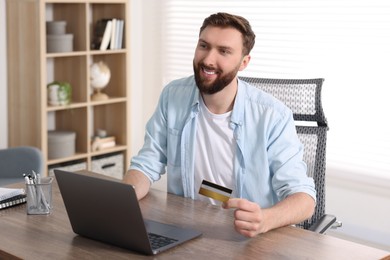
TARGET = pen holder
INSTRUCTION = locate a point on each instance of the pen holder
(39, 197)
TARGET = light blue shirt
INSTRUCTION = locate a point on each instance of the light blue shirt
(268, 165)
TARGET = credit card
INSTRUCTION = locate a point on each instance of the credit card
(215, 191)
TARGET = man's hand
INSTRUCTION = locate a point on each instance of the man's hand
(249, 217)
(140, 182)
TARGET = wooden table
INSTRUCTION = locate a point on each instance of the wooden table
(51, 237)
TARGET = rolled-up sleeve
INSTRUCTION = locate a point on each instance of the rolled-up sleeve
(286, 160)
(152, 158)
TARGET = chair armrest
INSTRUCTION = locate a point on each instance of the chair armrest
(323, 224)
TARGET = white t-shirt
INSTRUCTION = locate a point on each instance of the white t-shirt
(214, 151)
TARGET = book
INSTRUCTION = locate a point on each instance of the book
(99, 143)
(118, 24)
(120, 34)
(99, 29)
(113, 33)
(106, 145)
(106, 36)
(10, 197)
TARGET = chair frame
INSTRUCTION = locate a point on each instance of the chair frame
(279, 88)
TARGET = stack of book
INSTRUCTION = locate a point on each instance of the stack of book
(100, 143)
(11, 197)
(108, 34)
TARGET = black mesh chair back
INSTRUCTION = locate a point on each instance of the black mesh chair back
(303, 97)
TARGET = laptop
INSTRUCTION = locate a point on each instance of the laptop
(107, 210)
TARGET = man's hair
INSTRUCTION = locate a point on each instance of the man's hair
(225, 20)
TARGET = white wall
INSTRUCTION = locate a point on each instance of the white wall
(145, 66)
(146, 77)
(3, 78)
(361, 202)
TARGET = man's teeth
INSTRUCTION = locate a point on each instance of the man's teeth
(209, 72)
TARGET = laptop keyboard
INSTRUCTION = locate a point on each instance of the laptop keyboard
(158, 241)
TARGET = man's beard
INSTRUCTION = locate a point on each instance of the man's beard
(218, 84)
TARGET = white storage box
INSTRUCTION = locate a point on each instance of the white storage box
(69, 166)
(110, 165)
(61, 144)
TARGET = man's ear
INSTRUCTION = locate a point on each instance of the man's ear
(245, 62)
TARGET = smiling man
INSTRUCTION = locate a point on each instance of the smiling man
(212, 126)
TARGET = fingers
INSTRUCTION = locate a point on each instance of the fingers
(248, 229)
(248, 216)
(241, 204)
(231, 203)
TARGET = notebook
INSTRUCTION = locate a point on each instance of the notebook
(108, 211)
(10, 197)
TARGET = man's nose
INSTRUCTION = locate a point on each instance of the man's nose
(210, 58)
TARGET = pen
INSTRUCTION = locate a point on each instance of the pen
(29, 189)
(34, 176)
(40, 193)
(38, 189)
(38, 178)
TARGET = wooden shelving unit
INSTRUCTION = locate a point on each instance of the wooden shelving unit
(31, 68)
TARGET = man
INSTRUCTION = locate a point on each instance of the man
(213, 126)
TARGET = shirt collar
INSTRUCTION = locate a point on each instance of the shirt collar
(195, 101)
(237, 116)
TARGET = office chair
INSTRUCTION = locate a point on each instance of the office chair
(303, 97)
(15, 161)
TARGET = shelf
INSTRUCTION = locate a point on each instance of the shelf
(75, 15)
(32, 68)
(111, 100)
(75, 157)
(117, 148)
(71, 106)
(99, 52)
(65, 54)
